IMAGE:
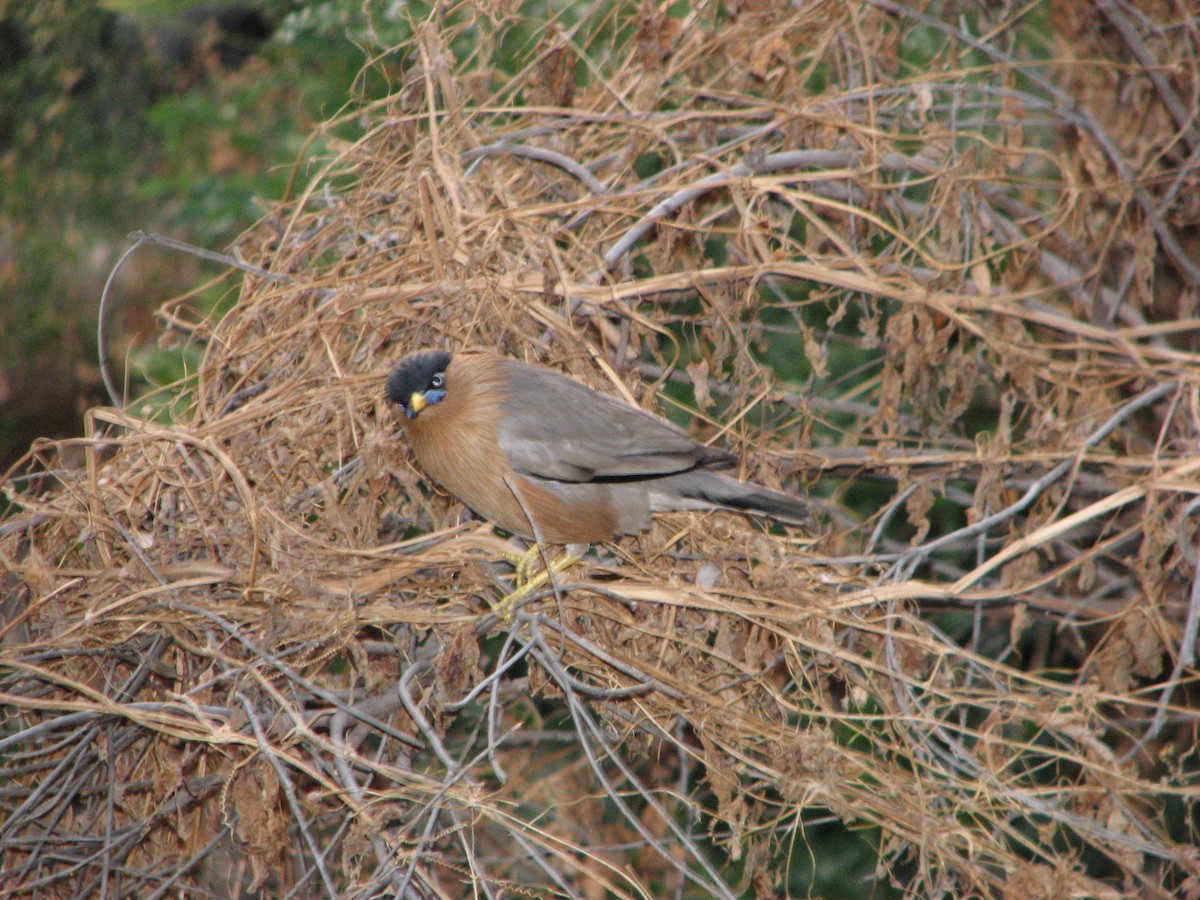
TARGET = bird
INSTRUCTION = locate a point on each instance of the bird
(517, 441)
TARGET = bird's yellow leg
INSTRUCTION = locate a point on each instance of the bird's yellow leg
(523, 564)
(527, 582)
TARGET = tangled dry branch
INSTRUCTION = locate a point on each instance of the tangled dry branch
(946, 283)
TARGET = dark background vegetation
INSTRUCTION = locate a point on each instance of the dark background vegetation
(160, 116)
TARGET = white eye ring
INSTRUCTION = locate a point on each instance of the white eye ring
(437, 381)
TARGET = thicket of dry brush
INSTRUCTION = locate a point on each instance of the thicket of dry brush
(943, 279)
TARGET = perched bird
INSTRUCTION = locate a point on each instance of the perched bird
(513, 440)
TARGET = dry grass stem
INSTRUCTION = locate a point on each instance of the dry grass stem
(943, 280)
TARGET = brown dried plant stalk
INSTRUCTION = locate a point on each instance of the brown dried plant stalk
(927, 269)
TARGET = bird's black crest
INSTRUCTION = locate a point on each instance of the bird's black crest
(413, 374)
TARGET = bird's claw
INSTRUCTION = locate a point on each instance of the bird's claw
(528, 583)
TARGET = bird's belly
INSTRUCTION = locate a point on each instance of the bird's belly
(565, 512)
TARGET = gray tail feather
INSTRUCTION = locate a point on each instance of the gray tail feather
(743, 496)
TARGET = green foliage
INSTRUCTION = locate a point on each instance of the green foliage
(101, 135)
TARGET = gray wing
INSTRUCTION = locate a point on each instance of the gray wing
(555, 427)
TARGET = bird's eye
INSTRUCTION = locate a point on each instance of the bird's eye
(438, 381)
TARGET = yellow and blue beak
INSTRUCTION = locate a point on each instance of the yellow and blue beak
(418, 400)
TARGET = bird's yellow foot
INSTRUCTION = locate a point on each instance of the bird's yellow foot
(527, 582)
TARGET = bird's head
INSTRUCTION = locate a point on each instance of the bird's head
(419, 381)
